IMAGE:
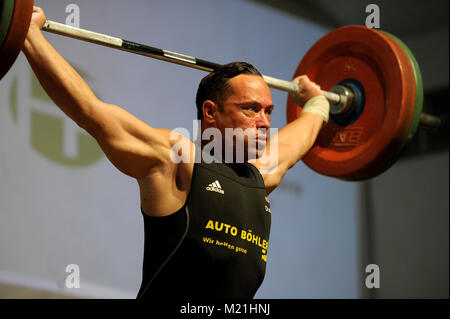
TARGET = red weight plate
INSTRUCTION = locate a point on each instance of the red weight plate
(357, 151)
(16, 35)
(415, 80)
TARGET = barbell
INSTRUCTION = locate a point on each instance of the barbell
(370, 77)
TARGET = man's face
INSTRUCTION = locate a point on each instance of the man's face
(247, 106)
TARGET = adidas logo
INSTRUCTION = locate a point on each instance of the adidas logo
(215, 187)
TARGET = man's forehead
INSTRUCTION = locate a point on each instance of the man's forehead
(247, 80)
(249, 87)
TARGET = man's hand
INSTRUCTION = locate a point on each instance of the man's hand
(306, 90)
(311, 98)
(38, 18)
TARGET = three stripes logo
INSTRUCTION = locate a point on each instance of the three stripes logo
(215, 187)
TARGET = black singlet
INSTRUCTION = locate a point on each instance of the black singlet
(215, 246)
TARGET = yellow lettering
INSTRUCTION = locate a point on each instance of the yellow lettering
(217, 226)
(255, 239)
(210, 224)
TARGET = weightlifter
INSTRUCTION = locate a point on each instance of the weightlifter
(207, 221)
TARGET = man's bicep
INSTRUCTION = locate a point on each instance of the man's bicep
(295, 139)
(288, 146)
(130, 144)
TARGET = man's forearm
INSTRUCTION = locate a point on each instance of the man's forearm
(61, 82)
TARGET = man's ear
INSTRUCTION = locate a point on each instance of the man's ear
(210, 108)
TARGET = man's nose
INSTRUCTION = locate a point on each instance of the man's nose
(263, 120)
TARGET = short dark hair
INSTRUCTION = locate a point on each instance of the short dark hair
(215, 84)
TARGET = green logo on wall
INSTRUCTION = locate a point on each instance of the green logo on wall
(52, 134)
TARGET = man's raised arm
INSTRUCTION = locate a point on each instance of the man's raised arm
(296, 138)
(130, 144)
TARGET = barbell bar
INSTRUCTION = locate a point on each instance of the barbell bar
(165, 55)
(427, 121)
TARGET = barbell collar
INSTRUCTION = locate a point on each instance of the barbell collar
(346, 103)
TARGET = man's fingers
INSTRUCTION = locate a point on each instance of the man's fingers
(38, 17)
(304, 83)
(37, 10)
